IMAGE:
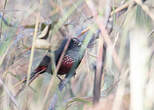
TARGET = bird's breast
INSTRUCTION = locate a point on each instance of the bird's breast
(66, 65)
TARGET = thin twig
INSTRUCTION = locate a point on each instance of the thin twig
(33, 48)
(99, 72)
(124, 6)
(57, 68)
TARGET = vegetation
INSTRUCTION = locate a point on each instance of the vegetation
(116, 72)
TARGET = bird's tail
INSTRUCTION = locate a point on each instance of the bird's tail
(33, 76)
(43, 67)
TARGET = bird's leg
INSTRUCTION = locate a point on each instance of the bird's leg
(74, 74)
(59, 78)
(65, 81)
(61, 85)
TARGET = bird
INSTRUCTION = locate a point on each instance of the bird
(70, 61)
(70, 58)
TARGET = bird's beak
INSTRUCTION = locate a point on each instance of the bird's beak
(82, 35)
(83, 32)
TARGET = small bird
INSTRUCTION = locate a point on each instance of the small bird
(70, 61)
(71, 57)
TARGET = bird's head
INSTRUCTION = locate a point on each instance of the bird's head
(74, 43)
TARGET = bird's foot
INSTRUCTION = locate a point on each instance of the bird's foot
(61, 85)
(59, 78)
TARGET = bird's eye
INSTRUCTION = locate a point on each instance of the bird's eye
(75, 40)
(79, 43)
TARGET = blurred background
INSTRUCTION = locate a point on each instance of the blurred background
(127, 30)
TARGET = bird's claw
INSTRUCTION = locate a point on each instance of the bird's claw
(61, 85)
(59, 78)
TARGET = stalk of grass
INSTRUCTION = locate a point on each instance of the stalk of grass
(32, 49)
